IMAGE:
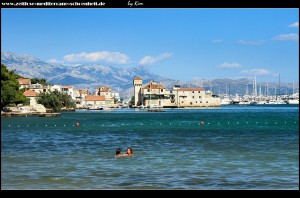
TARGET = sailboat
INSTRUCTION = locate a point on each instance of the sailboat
(94, 108)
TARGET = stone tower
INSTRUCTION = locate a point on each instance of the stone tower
(137, 85)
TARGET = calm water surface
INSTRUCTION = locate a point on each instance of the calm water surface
(250, 147)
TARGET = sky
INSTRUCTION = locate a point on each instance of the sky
(181, 44)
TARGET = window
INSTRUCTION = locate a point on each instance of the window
(191, 103)
(193, 96)
(206, 101)
(162, 90)
(192, 91)
(148, 90)
(198, 91)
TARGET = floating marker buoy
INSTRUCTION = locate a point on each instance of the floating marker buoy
(77, 124)
(201, 122)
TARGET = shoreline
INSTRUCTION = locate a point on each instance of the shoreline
(26, 114)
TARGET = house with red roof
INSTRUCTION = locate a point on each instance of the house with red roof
(24, 82)
(92, 101)
(32, 95)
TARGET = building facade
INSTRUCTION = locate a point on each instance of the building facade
(137, 86)
(155, 95)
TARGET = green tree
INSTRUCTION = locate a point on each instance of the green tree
(56, 100)
(50, 100)
(131, 102)
(41, 81)
(10, 92)
(66, 100)
(115, 100)
(20, 98)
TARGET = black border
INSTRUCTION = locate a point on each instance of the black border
(155, 4)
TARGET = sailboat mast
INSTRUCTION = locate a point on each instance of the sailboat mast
(150, 93)
(279, 85)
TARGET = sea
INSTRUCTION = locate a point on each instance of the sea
(223, 148)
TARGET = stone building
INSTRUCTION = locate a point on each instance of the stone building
(155, 95)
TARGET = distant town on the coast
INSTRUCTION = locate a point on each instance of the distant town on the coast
(143, 93)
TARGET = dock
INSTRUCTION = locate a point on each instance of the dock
(25, 114)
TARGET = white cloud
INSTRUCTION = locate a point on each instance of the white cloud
(55, 61)
(148, 60)
(107, 56)
(259, 72)
(229, 65)
(217, 41)
(243, 42)
(294, 25)
(287, 37)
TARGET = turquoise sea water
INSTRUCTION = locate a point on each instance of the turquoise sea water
(237, 147)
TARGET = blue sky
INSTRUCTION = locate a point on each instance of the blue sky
(182, 44)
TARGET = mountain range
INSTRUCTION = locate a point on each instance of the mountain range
(91, 76)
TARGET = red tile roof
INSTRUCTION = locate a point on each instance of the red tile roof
(137, 78)
(95, 98)
(24, 81)
(105, 89)
(191, 89)
(30, 93)
(153, 85)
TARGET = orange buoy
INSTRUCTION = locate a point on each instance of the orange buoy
(201, 122)
(77, 123)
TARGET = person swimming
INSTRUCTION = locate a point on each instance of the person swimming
(129, 152)
(118, 153)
